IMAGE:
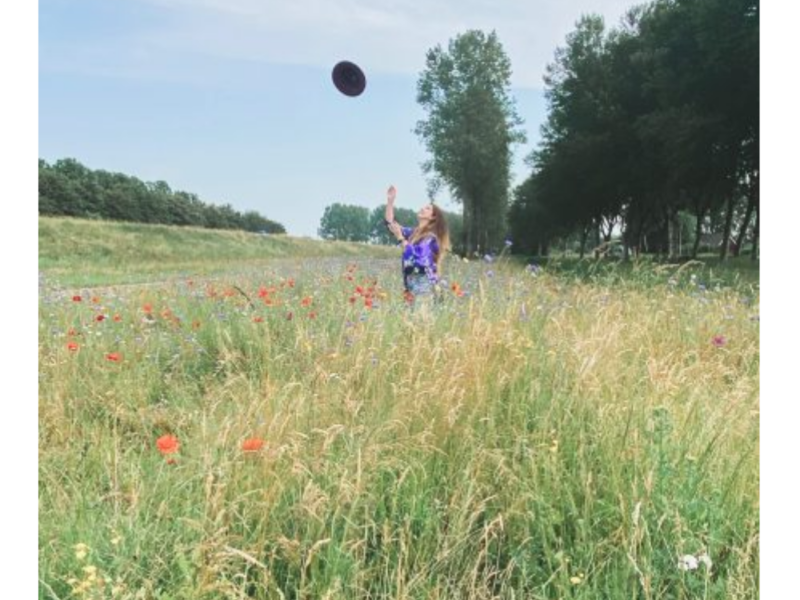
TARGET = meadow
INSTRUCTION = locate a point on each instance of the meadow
(288, 426)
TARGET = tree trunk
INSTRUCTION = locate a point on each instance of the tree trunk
(465, 233)
(752, 197)
(598, 233)
(726, 236)
(584, 237)
(737, 246)
(754, 250)
(476, 227)
(626, 227)
(607, 233)
(674, 233)
(698, 231)
(641, 240)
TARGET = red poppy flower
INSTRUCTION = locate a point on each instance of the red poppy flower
(95, 299)
(368, 302)
(306, 301)
(312, 315)
(167, 444)
(258, 319)
(147, 308)
(72, 346)
(252, 445)
(100, 318)
(263, 292)
(114, 356)
(117, 318)
(77, 299)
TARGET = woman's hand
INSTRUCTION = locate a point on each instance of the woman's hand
(391, 194)
(397, 231)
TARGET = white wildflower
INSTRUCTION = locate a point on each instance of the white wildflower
(687, 562)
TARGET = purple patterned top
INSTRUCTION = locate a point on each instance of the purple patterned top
(420, 257)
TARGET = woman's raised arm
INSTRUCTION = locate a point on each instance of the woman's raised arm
(391, 194)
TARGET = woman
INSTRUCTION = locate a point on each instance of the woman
(423, 247)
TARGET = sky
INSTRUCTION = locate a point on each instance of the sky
(232, 99)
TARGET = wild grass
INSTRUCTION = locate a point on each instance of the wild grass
(539, 436)
(85, 252)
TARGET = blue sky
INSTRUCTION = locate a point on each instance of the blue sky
(232, 99)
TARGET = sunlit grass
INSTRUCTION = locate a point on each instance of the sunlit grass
(84, 252)
(541, 436)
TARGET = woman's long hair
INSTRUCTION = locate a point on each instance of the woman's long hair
(437, 227)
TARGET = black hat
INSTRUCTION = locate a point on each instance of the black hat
(349, 78)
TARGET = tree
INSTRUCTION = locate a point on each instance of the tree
(455, 225)
(69, 188)
(575, 186)
(378, 233)
(654, 119)
(530, 220)
(470, 127)
(345, 222)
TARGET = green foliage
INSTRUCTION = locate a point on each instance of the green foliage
(345, 222)
(470, 127)
(532, 227)
(68, 188)
(647, 120)
(378, 233)
(455, 225)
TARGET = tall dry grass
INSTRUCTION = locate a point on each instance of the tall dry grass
(538, 437)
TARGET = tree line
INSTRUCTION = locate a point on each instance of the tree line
(68, 188)
(649, 125)
(652, 128)
(354, 223)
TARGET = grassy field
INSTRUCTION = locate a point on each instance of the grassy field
(83, 252)
(290, 428)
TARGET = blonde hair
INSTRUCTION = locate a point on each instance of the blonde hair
(436, 227)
